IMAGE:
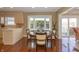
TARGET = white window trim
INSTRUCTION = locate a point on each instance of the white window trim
(6, 19)
(50, 17)
(65, 16)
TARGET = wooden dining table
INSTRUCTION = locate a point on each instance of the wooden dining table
(33, 37)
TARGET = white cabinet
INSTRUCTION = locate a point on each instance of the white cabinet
(12, 35)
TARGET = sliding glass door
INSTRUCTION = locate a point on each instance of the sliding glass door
(67, 33)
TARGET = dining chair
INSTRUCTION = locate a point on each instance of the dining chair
(27, 33)
(49, 41)
(41, 40)
(31, 41)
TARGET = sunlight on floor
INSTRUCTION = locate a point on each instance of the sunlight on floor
(68, 44)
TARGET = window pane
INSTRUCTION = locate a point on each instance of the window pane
(64, 27)
(9, 21)
(39, 23)
(47, 23)
(72, 22)
(31, 23)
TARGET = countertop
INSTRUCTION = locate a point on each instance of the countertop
(11, 27)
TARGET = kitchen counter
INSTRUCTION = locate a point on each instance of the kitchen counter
(12, 34)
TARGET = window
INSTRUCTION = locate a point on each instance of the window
(2, 20)
(67, 35)
(64, 27)
(9, 21)
(47, 23)
(39, 22)
(31, 23)
(73, 22)
(67, 25)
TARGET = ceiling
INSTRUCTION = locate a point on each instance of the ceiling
(74, 11)
(30, 9)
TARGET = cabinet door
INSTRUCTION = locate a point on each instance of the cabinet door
(0, 36)
(7, 37)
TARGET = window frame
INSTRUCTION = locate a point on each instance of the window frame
(7, 20)
(40, 16)
(60, 26)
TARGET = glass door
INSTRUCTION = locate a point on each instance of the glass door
(72, 39)
(67, 33)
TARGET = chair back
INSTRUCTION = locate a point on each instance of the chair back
(27, 32)
(41, 39)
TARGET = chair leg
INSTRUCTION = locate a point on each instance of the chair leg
(45, 49)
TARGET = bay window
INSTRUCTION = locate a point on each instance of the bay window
(39, 22)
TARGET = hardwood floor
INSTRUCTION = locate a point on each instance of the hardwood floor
(21, 46)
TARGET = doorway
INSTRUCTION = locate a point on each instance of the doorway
(67, 33)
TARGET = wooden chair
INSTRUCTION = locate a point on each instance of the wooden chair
(31, 41)
(27, 33)
(41, 40)
(49, 42)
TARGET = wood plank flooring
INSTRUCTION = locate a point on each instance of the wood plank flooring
(21, 46)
